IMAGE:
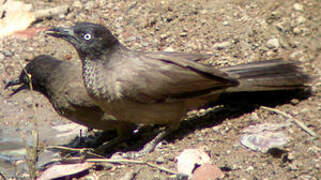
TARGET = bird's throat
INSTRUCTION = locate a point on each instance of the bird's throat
(89, 75)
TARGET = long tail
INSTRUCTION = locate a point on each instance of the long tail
(268, 76)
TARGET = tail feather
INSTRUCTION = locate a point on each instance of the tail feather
(268, 76)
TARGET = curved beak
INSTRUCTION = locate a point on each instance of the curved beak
(65, 33)
(15, 82)
(60, 32)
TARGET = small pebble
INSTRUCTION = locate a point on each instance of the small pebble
(273, 43)
(222, 45)
(281, 27)
(183, 34)
(145, 44)
(7, 53)
(291, 156)
(90, 5)
(131, 38)
(171, 158)
(236, 146)
(295, 101)
(29, 101)
(270, 53)
(297, 30)
(204, 11)
(300, 20)
(295, 55)
(77, 4)
(202, 112)
(216, 128)
(61, 16)
(1, 57)
(163, 36)
(235, 167)
(250, 168)
(169, 49)
(226, 23)
(293, 166)
(1, 68)
(254, 116)
(298, 7)
(160, 160)
(68, 57)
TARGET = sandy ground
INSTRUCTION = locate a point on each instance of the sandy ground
(236, 32)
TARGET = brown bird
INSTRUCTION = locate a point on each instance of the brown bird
(62, 84)
(160, 87)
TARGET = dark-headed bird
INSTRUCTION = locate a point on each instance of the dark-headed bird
(160, 87)
(61, 82)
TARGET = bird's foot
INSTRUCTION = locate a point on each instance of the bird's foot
(149, 147)
(110, 144)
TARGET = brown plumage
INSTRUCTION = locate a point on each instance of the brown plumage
(159, 88)
(61, 83)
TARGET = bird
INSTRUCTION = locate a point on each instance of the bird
(61, 82)
(161, 87)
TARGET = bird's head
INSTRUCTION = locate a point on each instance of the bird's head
(90, 40)
(21, 80)
(37, 71)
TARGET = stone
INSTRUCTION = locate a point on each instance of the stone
(7, 53)
(298, 7)
(226, 23)
(300, 20)
(297, 30)
(1, 57)
(77, 4)
(160, 160)
(273, 43)
(222, 45)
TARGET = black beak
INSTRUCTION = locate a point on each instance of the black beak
(15, 82)
(60, 32)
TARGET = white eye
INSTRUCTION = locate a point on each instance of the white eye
(87, 36)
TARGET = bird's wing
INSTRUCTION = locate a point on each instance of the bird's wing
(77, 95)
(161, 77)
(67, 84)
(178, 55)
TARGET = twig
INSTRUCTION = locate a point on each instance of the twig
(119, 161)
(2, 176)
(298, 122)
(32, 153)
(113, 161)
(116, 161)
(81, 150)
(2, 2)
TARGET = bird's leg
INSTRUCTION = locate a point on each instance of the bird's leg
(150, 146)
(124, 131)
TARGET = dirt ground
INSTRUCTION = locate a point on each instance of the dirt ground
(236, 31)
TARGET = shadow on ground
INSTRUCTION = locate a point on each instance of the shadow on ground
(235, 105)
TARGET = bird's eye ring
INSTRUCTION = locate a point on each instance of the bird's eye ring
(87, 36)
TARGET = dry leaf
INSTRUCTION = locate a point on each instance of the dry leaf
(189, 159)
(206, 172)
(13, 6)
(263, 137)
(16, 16)
(58, 171)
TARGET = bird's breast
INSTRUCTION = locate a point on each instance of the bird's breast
(101, 83)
